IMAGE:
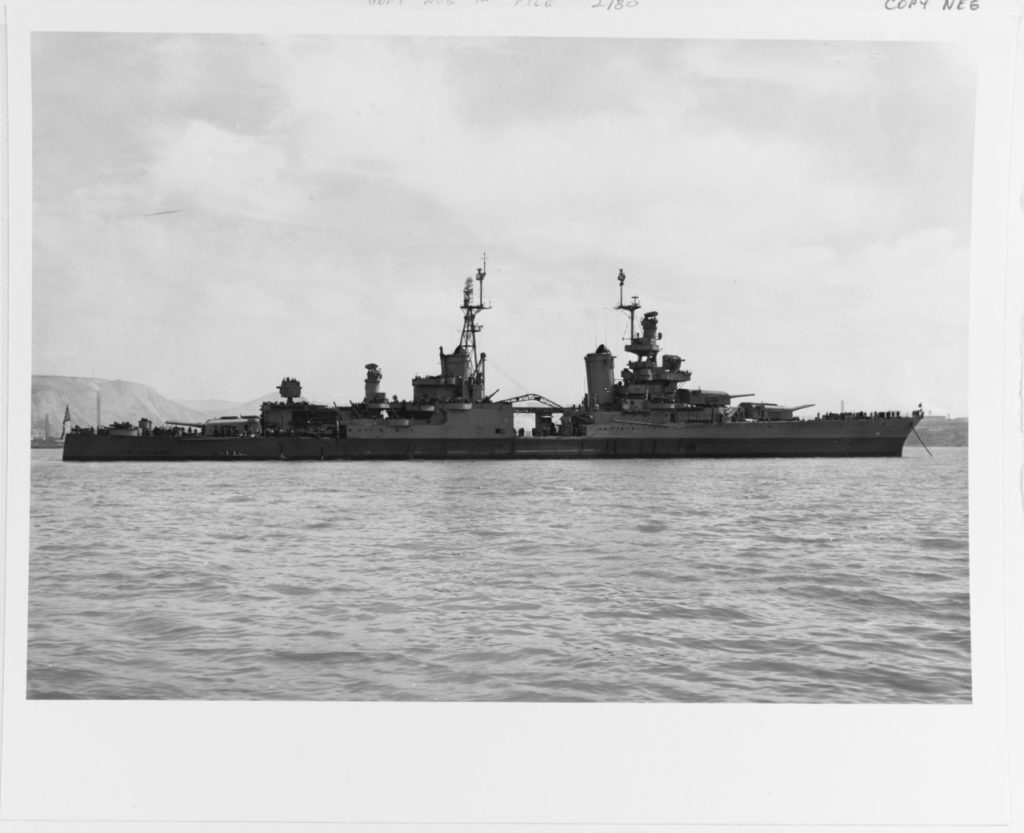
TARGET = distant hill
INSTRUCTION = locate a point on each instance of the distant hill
(940, 431)
(120, 401)
(208, 404)
(222, 407)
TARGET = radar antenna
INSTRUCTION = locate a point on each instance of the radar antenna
(630, 308)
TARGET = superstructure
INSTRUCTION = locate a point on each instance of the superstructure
(648, 411)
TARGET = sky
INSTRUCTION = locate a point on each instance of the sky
(215, 212)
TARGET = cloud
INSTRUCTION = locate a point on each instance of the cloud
(329, 189)
(202, 167)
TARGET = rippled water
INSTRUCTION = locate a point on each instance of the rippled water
(826, 580)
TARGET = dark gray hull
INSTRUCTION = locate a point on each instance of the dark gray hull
(812, 438)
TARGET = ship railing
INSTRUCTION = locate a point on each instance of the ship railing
(851, 415)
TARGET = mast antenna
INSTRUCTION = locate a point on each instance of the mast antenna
(471, 308)
(631, 308)
(481, 273)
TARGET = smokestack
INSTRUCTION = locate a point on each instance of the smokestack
(98, 423)
(600, 377)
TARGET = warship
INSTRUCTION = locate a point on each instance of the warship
(648, 411)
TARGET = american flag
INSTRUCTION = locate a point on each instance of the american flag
(67, 419)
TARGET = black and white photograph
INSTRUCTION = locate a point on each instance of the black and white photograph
(452, 370)
(242, 227)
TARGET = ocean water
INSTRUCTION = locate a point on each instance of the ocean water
(782, 581)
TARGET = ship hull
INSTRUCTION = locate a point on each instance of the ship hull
(811, 438)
